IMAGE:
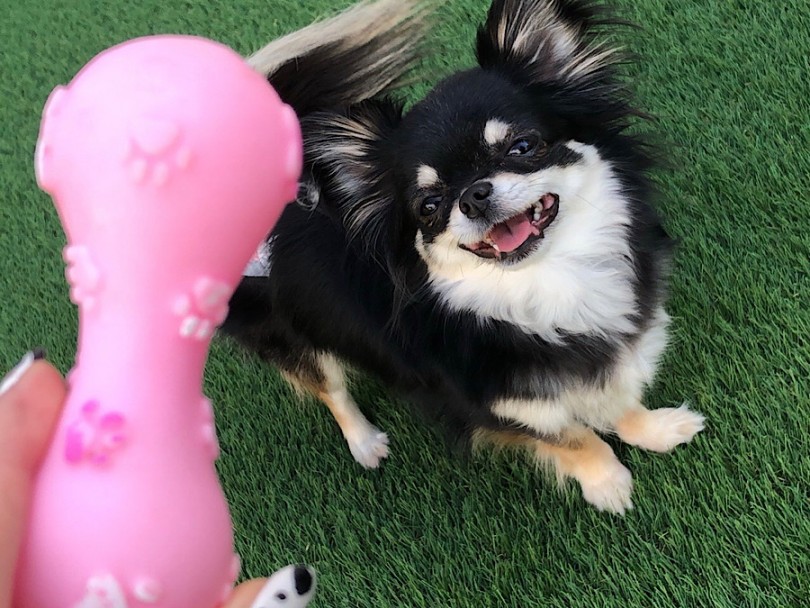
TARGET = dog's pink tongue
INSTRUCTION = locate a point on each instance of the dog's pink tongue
(512, 233)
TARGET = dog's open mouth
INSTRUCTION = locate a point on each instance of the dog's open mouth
(517, 235)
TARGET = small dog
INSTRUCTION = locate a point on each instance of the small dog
(491, 254)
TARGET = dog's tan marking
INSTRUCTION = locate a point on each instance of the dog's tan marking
(659, 430)
(368, 444)
(495, 132)
(344, 414)
(578, 453)
(427, 177)
(606, 483)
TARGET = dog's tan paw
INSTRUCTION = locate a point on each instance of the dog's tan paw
(660, 430)
(608, 489)
(369, 447)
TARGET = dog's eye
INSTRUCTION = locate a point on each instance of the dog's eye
(281, 596)
(524, 146)
(430, 205)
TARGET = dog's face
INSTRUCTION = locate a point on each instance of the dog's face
(488, 170)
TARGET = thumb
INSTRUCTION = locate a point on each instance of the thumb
(31, 400)
(293, 586)
(30, 403)
(246, 593)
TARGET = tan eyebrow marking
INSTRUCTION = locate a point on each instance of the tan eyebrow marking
(495, 131)
(426, 177)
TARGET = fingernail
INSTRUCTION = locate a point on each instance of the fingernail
(14, 376)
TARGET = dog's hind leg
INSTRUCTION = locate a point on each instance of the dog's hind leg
(606, 483)
(577, 452)
(324, 376)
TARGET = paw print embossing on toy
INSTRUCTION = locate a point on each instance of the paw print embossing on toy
(147, 591)
(95, 436)
(102, 592)
(204, 309)
(156, 151)
(209, 430)
(82, 275)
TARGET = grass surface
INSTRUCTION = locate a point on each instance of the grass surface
(722, 522)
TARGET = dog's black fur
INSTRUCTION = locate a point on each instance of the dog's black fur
(345, 276)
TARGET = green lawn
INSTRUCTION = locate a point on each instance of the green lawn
(724, 521)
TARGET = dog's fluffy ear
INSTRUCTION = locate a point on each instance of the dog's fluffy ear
(544, 41)
(345, 151)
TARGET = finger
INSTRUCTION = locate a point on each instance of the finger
(293, 586)
(29, 410)
(246, 593)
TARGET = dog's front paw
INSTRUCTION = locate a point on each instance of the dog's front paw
(609, 488)
(369, 447)
(662, 429)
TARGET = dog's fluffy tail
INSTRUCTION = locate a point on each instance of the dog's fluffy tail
(360, 53)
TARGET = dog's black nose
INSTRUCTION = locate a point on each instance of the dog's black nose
(475, 200)
(303, 579)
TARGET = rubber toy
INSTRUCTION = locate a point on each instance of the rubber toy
(168, 159)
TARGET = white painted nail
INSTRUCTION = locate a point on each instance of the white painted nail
(16, 374)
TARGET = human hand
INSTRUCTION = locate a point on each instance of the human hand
(31, 399)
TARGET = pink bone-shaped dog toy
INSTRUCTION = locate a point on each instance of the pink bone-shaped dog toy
(169, 160)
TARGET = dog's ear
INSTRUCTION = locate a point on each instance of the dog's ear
(346, 153)
(545, 41)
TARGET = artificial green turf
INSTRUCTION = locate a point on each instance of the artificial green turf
(724, 521)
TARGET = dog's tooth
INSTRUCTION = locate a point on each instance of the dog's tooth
(536, 214)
